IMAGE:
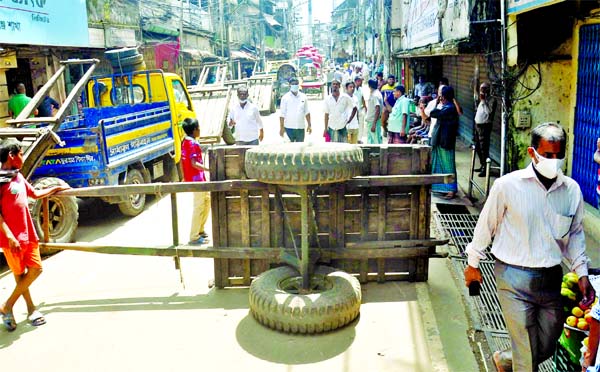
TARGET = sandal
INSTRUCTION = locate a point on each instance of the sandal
(9, 322)
(36, 318)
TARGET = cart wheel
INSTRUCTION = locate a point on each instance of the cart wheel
(333, 301)
(63, 212)
(302, 163)
(135, 202)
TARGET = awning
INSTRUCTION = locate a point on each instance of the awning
(272, 22)
(198, 54)
(238, 54)
(446, 48)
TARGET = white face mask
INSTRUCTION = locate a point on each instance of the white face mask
(242, 101)
(548, 168)
(294, 88)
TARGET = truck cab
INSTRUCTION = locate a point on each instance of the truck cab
(126, 130)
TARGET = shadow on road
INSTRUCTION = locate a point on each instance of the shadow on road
(278, 347)
(227, 299)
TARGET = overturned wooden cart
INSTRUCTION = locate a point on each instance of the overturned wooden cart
(285, 238)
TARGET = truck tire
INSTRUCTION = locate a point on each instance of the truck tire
(301, 163)
(334, 300)
(115, 54)
(63, 212)
(127, 61)
(135, 202)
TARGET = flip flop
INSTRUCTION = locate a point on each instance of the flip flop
(36, 318)
(9, 322)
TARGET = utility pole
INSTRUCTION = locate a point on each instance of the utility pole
(180, 59)
(263, 34)
(222, 31)
(310, 23)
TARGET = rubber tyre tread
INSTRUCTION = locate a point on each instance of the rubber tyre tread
(305, 313)
(127, 61)
(68, 212)
(115, 54)
(304, 163)
(128, 208)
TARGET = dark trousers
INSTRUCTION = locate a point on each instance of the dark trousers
(481, 138)
(295, 135)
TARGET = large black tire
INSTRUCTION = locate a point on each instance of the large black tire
(63, 212)
(135, 202)
(274, 300)
(128, 61)
(301, 163)
(116, 54)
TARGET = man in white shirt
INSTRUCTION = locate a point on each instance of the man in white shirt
(535, 216)
(339, 112)
(373, 116)
(362, 106)
(352, 126)
(484, 117)
(245, 121)
(292, 112)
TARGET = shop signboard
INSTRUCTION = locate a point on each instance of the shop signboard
(422, 23)
(520, 6)
(43, 22)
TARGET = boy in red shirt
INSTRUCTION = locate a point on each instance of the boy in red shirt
(18, 238)
(193, 171)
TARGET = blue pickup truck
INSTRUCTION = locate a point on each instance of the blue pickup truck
(126, 131)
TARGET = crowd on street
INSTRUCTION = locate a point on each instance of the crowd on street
(533, 217)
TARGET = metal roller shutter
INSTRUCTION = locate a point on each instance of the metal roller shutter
(461, 73)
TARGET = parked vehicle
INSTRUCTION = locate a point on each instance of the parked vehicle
(126, 132)
(282, 85)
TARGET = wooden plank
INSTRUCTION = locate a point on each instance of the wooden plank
(398, 243)
(278, 233)
(381, 233)
(333, 202)
(214, 211)
(244, 226)
(265, 237)
(239, 253)
(383, 161)
(340, 221)
(414, 213)
(364, 222)
(223, 280)
(223, 185)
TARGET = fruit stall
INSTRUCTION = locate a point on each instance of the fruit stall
(575, 334)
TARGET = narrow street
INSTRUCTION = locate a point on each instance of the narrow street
(132, 313)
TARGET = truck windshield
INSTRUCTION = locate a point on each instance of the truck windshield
(180, 96)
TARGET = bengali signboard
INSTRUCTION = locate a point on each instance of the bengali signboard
(422, 23)
(520, 6)
(44, 22)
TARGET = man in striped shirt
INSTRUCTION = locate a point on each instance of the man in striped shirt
(535, 216)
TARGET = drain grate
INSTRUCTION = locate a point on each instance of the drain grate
(459, 229)
(501, 341)
(486, 305)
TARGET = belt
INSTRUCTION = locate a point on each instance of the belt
(525, 268)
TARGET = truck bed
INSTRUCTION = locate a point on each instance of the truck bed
(101, 142)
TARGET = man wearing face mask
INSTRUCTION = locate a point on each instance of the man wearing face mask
(244, 118)
(292, 112)
(535, 216)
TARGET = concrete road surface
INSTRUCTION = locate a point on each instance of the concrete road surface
(131, 313)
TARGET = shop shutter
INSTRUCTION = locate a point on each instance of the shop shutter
(587, 115)
(460, 71)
